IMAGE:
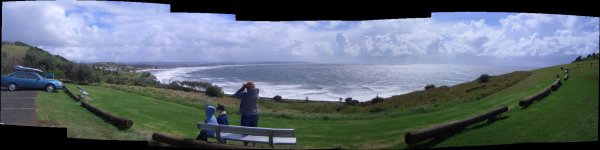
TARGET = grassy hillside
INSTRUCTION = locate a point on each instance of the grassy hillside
(59, 110)
(469, 91)
(565, 115)
(28, 56)
(11, 55)
(63, 69)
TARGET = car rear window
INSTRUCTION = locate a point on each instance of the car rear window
(20, 75)
(32, 76)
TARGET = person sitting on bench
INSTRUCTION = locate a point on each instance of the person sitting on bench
(223, 118)
(210, 119)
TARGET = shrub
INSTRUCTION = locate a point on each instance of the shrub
(376, 100)
(577, 59)
(110, 80)
(121, 80)
(176, 85)
(214, 91)
(484, 78)
(350, 101)
(430, 86)
(374, 110)
(277, 98)
(197, 84)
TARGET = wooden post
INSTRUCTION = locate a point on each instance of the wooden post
(218, 134)
(271, 139)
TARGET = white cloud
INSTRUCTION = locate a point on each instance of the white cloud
(119, 31)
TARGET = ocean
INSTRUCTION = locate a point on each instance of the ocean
(329, 82)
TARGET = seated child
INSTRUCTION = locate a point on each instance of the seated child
(210, 119)
(222, 118)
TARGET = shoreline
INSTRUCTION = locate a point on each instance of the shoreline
(362, 93)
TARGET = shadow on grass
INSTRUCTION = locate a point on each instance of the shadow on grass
(437, 140)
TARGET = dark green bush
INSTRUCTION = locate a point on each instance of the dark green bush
(350, 101)
(277, 98)
(376, 100)
(430, 86)
(484, 78)
(214, 91)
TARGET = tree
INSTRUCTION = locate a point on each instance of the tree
(84, 73)
(577, 59)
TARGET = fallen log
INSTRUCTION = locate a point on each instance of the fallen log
(76, 98)
(189, 143)
(450, 128)
(556, 85)
(120, 123)
(528, 101)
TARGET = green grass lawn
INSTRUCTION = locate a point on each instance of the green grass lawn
(570, 114)
(59, 110)
(567, 115)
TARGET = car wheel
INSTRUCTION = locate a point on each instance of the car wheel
(12, 86)
(50, 88)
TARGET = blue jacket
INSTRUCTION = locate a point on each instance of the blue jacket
(223, 119)
(249, 101)
(210, 119)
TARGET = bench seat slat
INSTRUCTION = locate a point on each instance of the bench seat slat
(284, 140)
(246, 130)
(283, 132)
(257, 139)
(252, 134)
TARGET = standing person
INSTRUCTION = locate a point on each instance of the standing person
(248, 96)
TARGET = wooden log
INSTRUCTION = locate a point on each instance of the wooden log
(119, 122)
(189, 143)
(76, 98)
(414, 137)
(556, 85)
(528, 101)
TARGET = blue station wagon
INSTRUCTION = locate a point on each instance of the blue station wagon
(28, 78)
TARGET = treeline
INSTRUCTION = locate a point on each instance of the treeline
(59, 66)
(588, 57)
(82, 73)
(196, 86)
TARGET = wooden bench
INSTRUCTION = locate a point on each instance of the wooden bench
(83, 92)
(270, 136)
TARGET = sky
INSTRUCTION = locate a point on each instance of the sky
(86, 31)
